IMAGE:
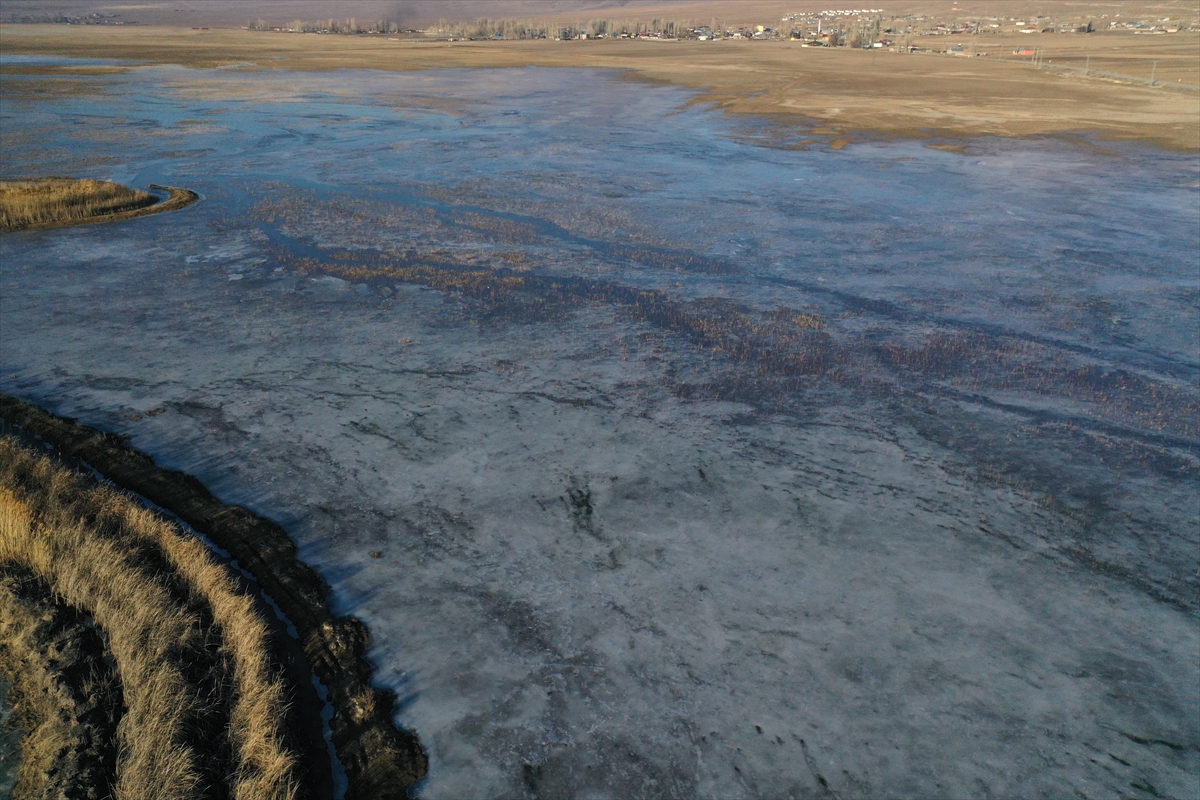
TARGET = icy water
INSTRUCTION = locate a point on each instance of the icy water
(665, 454)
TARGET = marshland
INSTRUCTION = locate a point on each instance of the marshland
(164, 683)
(55, 202)
(50, 200)
(663, 452)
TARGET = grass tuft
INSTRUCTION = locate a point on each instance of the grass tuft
(191, 651)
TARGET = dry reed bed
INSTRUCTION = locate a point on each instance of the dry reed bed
(73, 697)
(205, 707)
(28, 203)
(53, 202)
(381, 762)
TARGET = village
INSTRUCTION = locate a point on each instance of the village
(867, 28)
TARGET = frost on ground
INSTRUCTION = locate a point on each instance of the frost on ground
(661, 458)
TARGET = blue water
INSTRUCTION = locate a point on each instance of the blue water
(13, 59)
(1086, 256)
(1018, 234)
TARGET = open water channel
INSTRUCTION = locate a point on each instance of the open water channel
(665, 454)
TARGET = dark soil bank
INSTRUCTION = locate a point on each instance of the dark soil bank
(380, 761)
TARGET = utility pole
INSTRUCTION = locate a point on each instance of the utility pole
(1087, 65)
(1153, 69)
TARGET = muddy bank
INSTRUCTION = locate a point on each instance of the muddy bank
(380, 761)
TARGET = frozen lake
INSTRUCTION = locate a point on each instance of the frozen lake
(664, 454)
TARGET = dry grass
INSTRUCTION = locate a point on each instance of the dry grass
(27, 203)
(37, 695)
(74, 697)
(165, 606)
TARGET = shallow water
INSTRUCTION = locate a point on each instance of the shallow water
(14, 60)
(697, 458)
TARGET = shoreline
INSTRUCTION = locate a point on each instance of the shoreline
(380, 760)
(890, 95)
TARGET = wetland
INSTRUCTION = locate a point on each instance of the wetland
(662, 452)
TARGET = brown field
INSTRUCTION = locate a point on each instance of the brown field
(204, 706)
(1177, 55)
(840, 92)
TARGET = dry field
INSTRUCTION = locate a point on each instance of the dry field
(1173, 58)
(139, 667)
(838, 92)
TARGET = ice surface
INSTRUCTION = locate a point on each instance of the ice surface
(697, 461)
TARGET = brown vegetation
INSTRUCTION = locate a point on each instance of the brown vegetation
(784, 357)
(69, 705)
(50, 202)
(380, 761)
(26, 203)
(204, 703)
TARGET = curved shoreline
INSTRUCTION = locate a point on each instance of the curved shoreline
(381, 761)
(842, 92)
(177, 198)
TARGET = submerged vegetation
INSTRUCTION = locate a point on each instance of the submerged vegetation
(796, 340)
(770, 353)
(139, 662)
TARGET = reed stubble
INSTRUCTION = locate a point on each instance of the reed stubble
(191, 652)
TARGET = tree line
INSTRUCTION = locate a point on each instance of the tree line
(331, 25)
(484, 28)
